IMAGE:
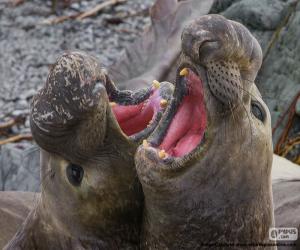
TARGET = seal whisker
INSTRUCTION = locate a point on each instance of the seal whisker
(262, 91)
(250, 125)
(225, 132)
(45, 178)
(248, 92)
(232, 114)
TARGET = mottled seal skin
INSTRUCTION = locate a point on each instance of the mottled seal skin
(220, 193)
(90, 194)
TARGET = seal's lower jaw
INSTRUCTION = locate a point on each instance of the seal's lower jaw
(184, 123)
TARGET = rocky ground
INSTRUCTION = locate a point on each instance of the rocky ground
(28, 46)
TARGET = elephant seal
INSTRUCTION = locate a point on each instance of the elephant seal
(206, 169)
(90, 195)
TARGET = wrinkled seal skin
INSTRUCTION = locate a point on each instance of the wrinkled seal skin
(220, 193)
(71, 120)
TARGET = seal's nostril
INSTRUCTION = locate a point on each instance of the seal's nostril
(202, 45)
(207, 47)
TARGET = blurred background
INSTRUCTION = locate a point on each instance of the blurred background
(33, 33)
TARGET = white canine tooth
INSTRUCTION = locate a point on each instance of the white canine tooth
(156, 84)
(184, 72)
(163, 103)
(145, 144)
(162, 154)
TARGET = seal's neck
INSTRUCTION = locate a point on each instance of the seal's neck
(207, 216)
(40, 232)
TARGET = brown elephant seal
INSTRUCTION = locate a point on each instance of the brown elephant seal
(90, 194)
(206, 169)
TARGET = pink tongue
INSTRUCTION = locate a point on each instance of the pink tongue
(179, 125)
(138, 122)
(186, 144)
(135, 118)
(125, 112)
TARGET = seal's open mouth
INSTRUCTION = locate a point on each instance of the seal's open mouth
(135, 118)
(187, 126)
(182, 128)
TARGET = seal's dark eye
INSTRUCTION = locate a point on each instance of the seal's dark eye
(258, 111)
(75, 174)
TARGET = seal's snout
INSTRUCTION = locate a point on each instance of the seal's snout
(229, 53)
(225, 82)
(79, 79)
(73, 99)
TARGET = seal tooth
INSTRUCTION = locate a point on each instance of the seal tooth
(162, 154)
(163, 103)
(150, 123)
(112, 104)
(145, 144)
(156, 84)
(184, 72)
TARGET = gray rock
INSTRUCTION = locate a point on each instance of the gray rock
(19, 112)
(297, 108)
(221, 5)
(258, 14)
(19, 167)
(279, 78)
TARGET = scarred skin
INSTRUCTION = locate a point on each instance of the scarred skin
(221, 192)
(73, 123)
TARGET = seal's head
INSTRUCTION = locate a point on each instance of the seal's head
(205, 170)
(88, 132)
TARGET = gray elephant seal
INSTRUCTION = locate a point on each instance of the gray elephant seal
(90, 194)
(206, 169)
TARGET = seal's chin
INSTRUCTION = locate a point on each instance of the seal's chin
(185, 121)
(133, 119)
